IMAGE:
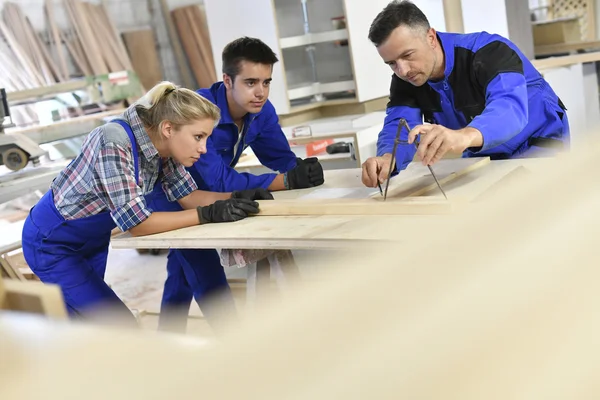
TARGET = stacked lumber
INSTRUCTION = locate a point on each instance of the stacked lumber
(96, 47)
(32, 59)
(99, 48)
(193, 32)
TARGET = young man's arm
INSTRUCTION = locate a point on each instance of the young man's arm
(217, 176)
(272, 149)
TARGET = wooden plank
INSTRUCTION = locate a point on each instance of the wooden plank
(197, 18)
(34, 77)
(374, 206)
(86, 37)
(114, 47)
(141, 46)
(565, 61)
(186, 76)
(62, 61)
(34, 297)
(416, 180)
(191, 48)
(567, 47)
(106, 51)
(116, 36)
(77, 57)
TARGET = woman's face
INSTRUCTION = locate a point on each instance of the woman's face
(186, 144)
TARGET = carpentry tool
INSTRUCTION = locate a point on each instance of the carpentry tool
(15, 149)
(397, 140)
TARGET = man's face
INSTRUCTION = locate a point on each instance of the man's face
(410, 53)
(251, 87)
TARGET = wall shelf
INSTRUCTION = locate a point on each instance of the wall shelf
(316, 88)
(313, 38)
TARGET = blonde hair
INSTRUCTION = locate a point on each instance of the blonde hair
(180, 106)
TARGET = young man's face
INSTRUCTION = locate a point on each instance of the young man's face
(251, 87)
(410, 54)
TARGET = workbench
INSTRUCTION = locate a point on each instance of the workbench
(326, 231)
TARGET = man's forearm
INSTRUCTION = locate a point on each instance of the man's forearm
(201, 198)
(475, 138)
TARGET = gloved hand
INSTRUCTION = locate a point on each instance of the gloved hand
(252, 194)
(229, 210)
(307, 173)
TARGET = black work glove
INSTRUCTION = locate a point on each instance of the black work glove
(307, 173)
(229, 210)
(252, 194)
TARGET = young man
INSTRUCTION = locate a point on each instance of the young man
(480, 95)
(247, 119)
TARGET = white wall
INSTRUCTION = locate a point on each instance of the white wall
(577, 86)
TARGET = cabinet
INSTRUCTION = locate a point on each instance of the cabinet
(325, 56)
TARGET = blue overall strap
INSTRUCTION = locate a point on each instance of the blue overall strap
(127, 128)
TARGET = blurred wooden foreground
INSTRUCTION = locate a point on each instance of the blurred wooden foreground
(502, 302)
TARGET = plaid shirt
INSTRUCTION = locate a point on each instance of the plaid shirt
(102, 177)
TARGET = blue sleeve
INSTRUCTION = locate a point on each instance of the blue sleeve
(385, 142)
(217, 176)
(498, 68)
(506, 110)
(271, 146)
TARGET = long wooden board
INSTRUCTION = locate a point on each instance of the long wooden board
(412, 206)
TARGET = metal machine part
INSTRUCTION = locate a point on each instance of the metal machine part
(16, 150)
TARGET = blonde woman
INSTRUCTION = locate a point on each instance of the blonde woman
(67, 233)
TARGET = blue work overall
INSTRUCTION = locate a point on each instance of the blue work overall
(191, 273)
(73, 253)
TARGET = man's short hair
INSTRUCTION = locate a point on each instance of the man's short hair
(396, 13)
(246, 49)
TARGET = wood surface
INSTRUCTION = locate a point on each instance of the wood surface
(567, 47)
(565, 61)
(370, 206)
(417, 179)
(196, 43)
(331, 231)
(500, 303)
(186, 77)
(141, 46)
(32, 297)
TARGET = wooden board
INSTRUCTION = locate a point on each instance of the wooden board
(374, 206)
(328, 231)
(141, 46)
(196, 45)
(186, 76)
(417, 179)
(32, 297)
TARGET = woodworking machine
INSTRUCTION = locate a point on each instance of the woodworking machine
(16, 150)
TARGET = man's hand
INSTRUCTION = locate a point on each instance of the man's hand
(227, 210)
(307, 173)
(252, 194)
(375, 170)
(437, 140)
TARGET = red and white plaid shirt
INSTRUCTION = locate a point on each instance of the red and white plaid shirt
(102, 177)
